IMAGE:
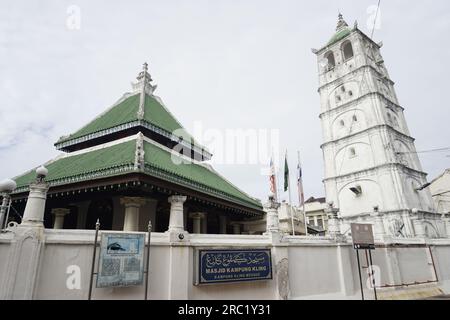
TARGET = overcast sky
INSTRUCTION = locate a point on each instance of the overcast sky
(227, 64)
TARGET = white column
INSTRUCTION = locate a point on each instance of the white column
(176, 223)
(197, 222)
(132, 206)
(380, 231)
(35, 207)
(223, 224)
(272, 220)
(59, 214)
(334, 228)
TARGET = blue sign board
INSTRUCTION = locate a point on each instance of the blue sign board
(217, 266)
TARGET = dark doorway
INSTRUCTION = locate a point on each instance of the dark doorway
(102, 210)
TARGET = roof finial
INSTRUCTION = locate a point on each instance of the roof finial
(144, 80)
(341, 22)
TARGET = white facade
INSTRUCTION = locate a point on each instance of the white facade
(316, 215)
(369, 155)
(440, 191)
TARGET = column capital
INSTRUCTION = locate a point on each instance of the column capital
(197, 215)
(60, 212)
(271, 204)
(132, 201)
(177, 199)
(39, 187)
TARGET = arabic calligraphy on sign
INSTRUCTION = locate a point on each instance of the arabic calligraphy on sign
(234, 265)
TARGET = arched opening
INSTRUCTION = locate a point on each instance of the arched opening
(342, 123)
(352, 152)
(355, 118)
(331, 61)
(347, 48)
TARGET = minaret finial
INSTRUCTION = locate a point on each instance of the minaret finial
(341, 22)
(145, 67)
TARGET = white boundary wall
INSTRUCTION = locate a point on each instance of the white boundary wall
(34, 263)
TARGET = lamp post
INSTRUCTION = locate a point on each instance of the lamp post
(33, 216)
(6, 187)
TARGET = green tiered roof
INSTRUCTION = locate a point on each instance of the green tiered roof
(80, 167)
(119, 159)
(126, 112)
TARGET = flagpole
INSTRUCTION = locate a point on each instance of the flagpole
(300, 195)
(290, 197)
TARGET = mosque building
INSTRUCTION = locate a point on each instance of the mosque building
(130, 165)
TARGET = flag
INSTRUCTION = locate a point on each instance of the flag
(301, 195)
(273, 183)
(286, 174)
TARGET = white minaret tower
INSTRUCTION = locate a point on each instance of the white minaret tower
(370, 157)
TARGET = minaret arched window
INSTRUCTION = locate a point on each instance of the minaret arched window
(331, 61)
(347, 48)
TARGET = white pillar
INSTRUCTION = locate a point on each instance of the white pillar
(380, 231)
(223, 224)
(132, 206)
(197, 222)
(176, 223)
(59, 214)
(272, 219)
(35, 207)
(334, 228)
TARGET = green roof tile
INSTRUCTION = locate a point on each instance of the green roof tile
(91, 162)
(162, 159)
(339, 36)
(126, 112)
(119, 159)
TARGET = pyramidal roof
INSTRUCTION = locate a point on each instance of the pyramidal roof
(137, 109)
(342, 30)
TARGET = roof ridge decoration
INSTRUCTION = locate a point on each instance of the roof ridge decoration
(139, 160)
(143, 86)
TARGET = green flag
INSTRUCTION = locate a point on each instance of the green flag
(286, 174)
